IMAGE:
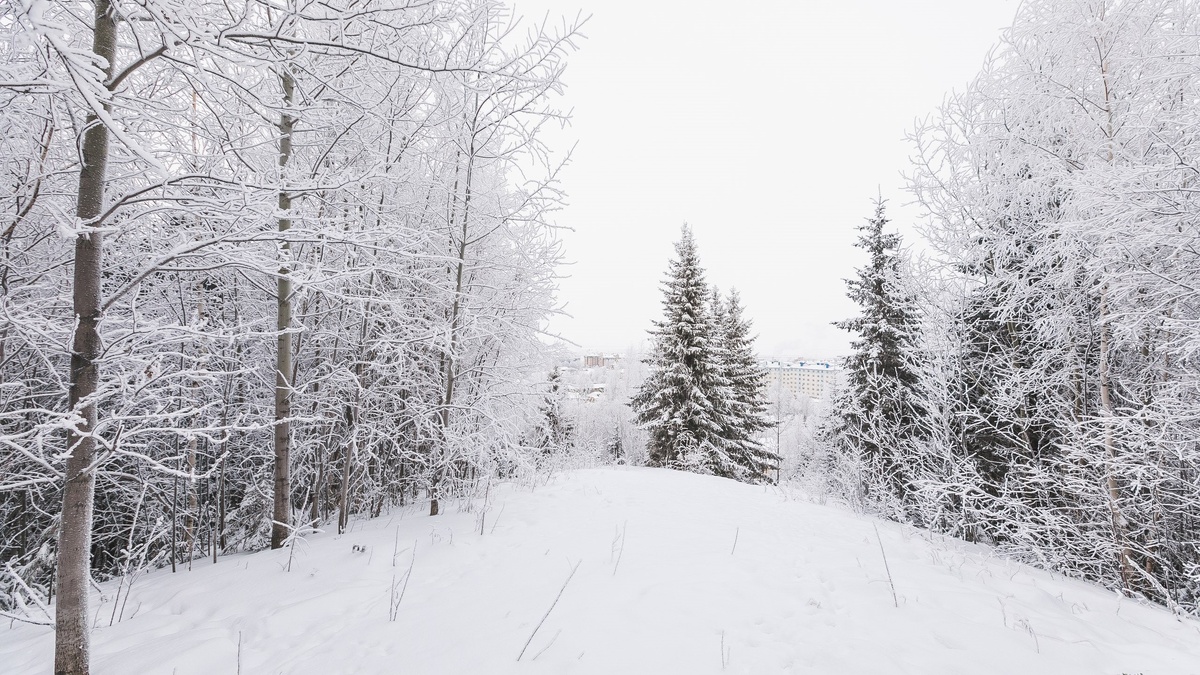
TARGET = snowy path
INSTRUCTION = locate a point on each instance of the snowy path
(803, 591)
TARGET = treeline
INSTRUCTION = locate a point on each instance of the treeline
(1034, 382)
(262, 265)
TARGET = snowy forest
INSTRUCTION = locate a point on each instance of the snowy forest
(269, 268)
(264, 265)
(1030, 380)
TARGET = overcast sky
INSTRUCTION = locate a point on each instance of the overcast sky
(768, 127)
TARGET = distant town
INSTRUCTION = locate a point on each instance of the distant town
(813, 379)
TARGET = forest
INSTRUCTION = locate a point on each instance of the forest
(270, 266)
(1029, 379)
(263, 265)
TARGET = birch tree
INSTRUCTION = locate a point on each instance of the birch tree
(265, 247)
(1070, 379)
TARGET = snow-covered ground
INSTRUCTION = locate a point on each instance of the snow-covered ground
(673, 573)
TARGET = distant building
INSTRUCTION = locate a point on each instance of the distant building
(601, 360)
(814, 379)
(592, 393)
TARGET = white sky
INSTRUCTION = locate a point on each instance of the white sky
(768, 126)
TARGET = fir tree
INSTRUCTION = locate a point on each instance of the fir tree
(875, 414)
(675, 403)
(555, 432)
(685, 401)
(747, 417)
(615, 446)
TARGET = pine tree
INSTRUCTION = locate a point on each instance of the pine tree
(684, 401)
(555, 432)
(875, 414)
(747, 417)
(615, 446)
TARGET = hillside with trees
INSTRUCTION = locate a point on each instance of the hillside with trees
(279, 283)
(1038, 367)
(262, 265)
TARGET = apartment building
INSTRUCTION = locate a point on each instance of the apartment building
(601, 360)
(814, 379)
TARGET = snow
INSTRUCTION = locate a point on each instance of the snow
(677, 573)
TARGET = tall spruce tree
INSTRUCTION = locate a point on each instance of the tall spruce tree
(555, 432)
(747, 416)
(687, 402)
(875, 413)
(678, 403)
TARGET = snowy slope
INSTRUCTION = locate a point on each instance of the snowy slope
(804, 591)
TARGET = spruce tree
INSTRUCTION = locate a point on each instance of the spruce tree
(615, 446)
(684, 402)
(747, 417)
(555, 432)
(875, 415)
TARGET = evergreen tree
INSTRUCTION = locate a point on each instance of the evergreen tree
(615, 447)
(747, 416)
(685, 401)
(555, 432)
(676, 402)
(875, 414)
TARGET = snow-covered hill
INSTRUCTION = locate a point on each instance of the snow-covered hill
(673, 573)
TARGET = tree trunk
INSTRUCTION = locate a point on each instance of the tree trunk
(191, 519)
(1120, 536)
(281, 513)
(71, 641)
(352, 414)
(1120, 529)
(439, 474)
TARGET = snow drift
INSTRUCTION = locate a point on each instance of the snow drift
(668, 573)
